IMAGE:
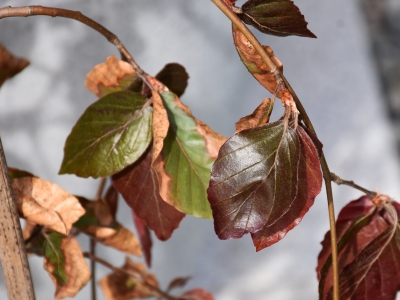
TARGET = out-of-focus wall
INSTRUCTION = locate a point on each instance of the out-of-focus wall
(333, 76)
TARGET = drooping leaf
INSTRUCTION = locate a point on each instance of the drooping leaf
(10, 65)
(111, 134)
(121, 286)
(144, 238)
(112, 76)
(138, 185)
(64, 261)
(368, 252)
(275, 17)
(45, 203)
(265, 178)
(16, 173)
(259, 117)
(255, 64)
(196, 294)
(99, 223)
(183, 168)
(178, 282)
(175, 77)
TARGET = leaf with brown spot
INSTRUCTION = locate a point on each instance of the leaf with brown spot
(45, 203)
(99, 223)
(264, 181)
(121, 286)
(138, 185)
(368, 251)
(111, 76)
(254, 63)
(175, 77)
(196, 294)
(275, 17)
(144, 238)
(259, 117)
(10, 65)
(64, 261)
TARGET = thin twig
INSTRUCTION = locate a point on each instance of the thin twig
(137, 275)
(93, 269)
(35, 10)
(339, 181)
(303, 115)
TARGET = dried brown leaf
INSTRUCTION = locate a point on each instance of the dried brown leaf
(120, 286)
(259, 117)
(45, 203)
(75, 267)
(111, 199)
(144, 238)
(108, 75)
(10, 65)
(160, 125)
(196, 294)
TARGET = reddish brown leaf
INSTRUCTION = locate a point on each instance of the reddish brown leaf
(45, 203)
(121, 286)
(255, 64)
(16, 173)
(10, 65)
(369, 255)
(144, 238)
(259, 117)
(196, 294)
(264, 181)
(178, 283)
(175, 77)
(139, 186)
(111, 76)
(111, 199)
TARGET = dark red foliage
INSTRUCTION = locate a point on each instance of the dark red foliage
(144, 238)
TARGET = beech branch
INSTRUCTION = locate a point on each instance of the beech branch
(227, 10)
(36, 10)
(339, 181)
(137, 275)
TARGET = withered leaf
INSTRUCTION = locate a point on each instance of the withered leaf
(64, 261)
(10, 65)
(111, 134)
(175, 77)
(16, 173)
(178, 282)
(121, 286)
(160, 125)
(255, 64)
(259, 117)
(196, 294)
(45, 203)
(99, 223)
(275, 17)
(111, 76)
(144, 238)
(368, 252)
(183, 168)
(138, 185)
(111, 199)
(264, 181)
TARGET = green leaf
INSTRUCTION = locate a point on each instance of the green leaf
(275, 17)
(187, 161)
(53, 252)
(175, 77)
(111, 134)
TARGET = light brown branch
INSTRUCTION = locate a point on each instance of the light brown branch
(303, 115)
(13, 257)
(339, 181)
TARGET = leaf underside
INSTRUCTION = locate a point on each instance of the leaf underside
(275, 17)
(266, 179)
(111, 134)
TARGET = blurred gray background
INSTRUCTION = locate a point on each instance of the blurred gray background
(347, 79)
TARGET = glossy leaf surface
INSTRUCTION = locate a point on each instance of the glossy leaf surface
(275, 17)
(111, 134)
(264, 178)
(368, 252)
(139, 187)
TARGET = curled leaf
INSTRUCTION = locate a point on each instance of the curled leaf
(64, 261)
(368, 251)
(111, 134)
(10, 65)
(259, 117)
(275, 17)
(138, 185)
(45, 203)
(121, 286)
(264, 180)
(111, 76)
